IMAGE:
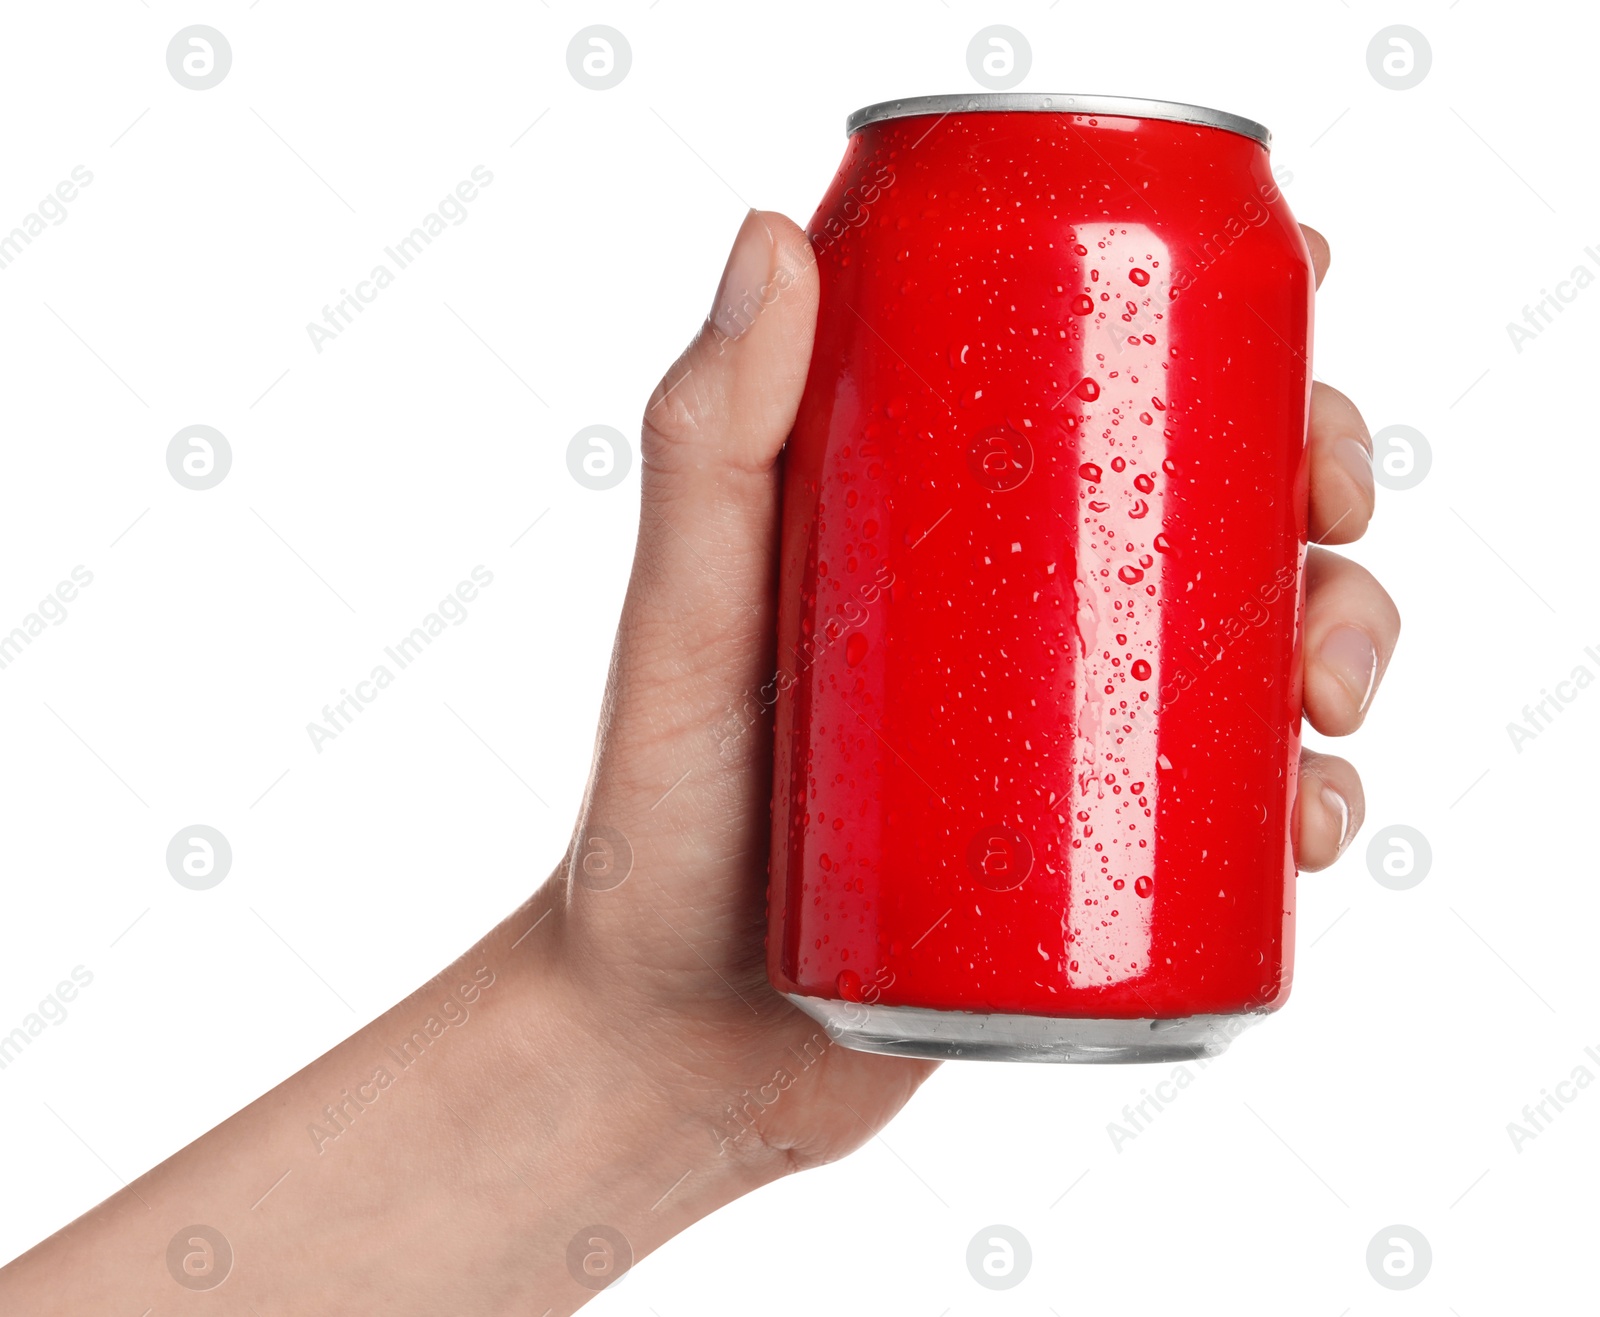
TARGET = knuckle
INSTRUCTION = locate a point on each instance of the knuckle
(672, 418)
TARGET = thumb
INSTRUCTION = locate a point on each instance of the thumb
(696, 634)
(727, 403)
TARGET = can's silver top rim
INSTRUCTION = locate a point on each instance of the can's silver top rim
(1129, 106)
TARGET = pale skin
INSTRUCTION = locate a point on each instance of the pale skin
(595, 1079)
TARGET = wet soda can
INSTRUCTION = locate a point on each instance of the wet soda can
(1042, 573)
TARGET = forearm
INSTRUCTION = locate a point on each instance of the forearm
(441, 1159)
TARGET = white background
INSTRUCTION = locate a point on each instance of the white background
(430, 435)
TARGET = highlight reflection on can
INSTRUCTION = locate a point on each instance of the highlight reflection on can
(1042, 564)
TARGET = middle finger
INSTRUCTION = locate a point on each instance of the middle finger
(1351, 629)
(1342, 489)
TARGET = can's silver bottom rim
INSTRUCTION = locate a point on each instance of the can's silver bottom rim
(968, 1036)
(1134, 107)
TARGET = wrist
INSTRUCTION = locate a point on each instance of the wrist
(598, 1081)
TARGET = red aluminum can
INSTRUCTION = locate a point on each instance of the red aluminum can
(1044, 531)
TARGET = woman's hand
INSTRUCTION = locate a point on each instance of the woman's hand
(673, 957)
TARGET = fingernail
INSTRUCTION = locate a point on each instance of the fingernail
(742, 291)
(1340, 809)
(1354, 458)
(1349, 654)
